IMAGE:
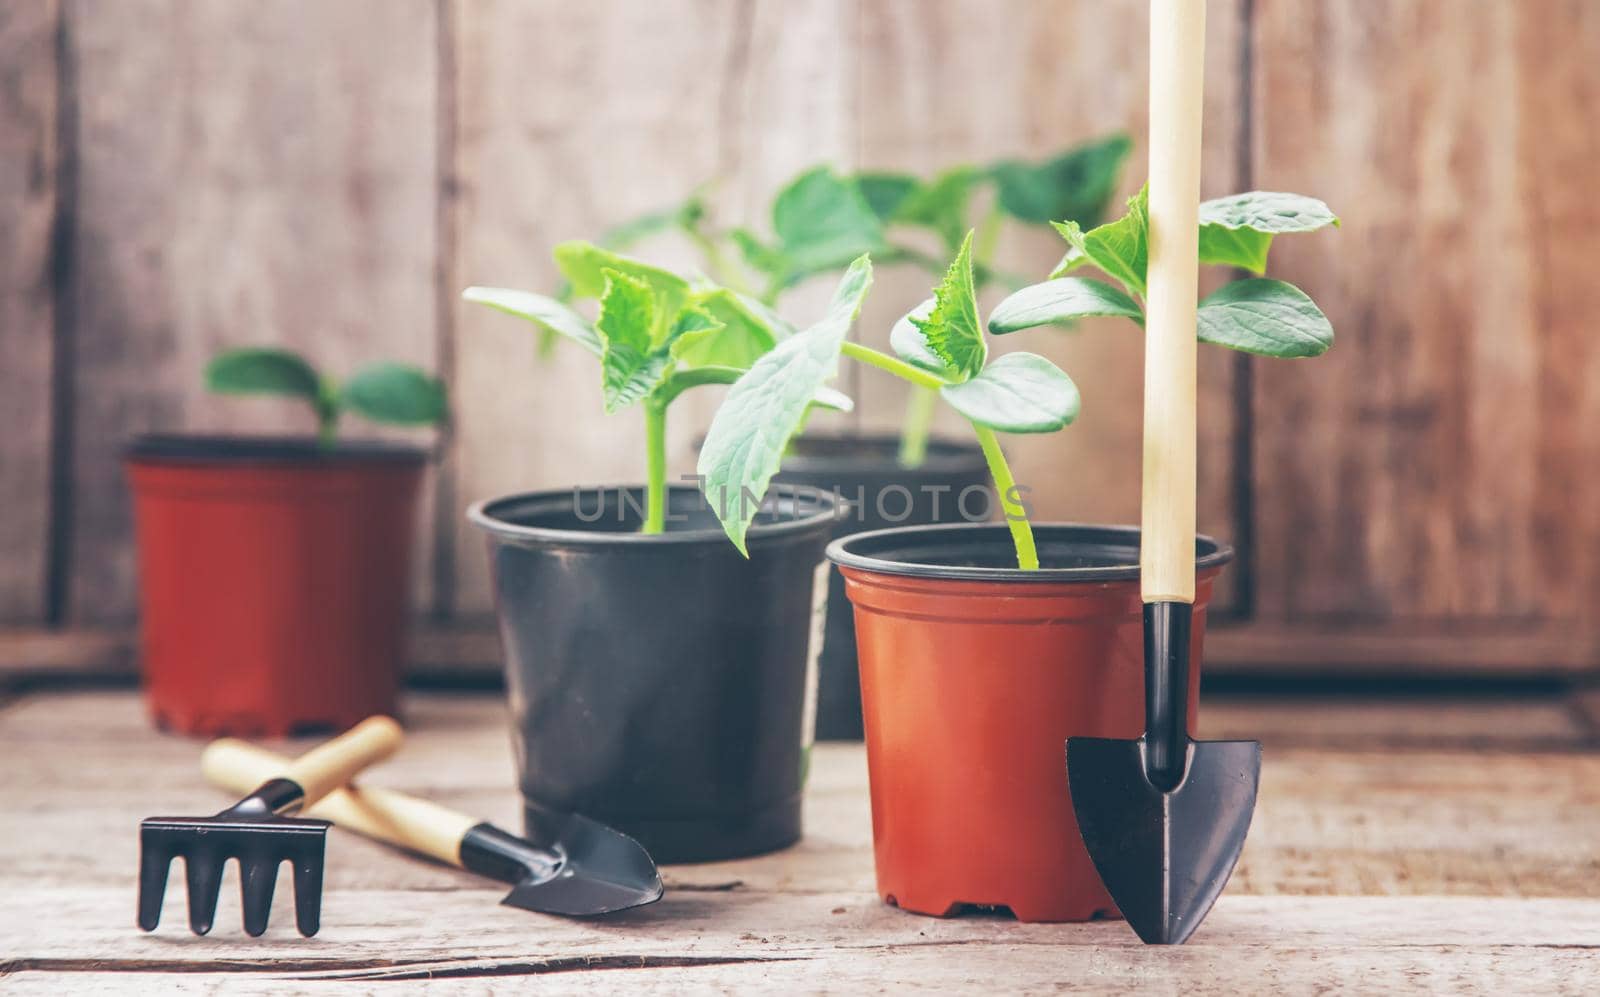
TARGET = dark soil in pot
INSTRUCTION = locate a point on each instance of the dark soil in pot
(661, 684)
(865, 471)
(973, 675)
(274, 580)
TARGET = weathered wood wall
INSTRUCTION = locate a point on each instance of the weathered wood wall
(1438, 470)
(180, 176)
(30, 184)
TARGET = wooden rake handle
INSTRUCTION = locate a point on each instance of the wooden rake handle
(333, 763)
(383, 814)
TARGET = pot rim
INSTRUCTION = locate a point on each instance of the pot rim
(945, 456)
(484, 514)
(857, 552)
(200, 449)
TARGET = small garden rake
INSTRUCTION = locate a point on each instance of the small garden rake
(260, 832)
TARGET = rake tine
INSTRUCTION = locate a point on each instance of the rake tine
(257, 880)
(154, 864)
(308, 895)
(203, 870)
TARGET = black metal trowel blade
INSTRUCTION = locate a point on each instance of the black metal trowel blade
(586, 869)
(1164, 856)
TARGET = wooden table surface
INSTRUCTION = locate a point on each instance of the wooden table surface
(1413, 846)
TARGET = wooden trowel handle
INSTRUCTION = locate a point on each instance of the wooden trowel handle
(1166, 558)
(384, 814)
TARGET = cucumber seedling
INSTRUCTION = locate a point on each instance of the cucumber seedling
(941, 347)
(821, 220)
(392, 393)
(656, 335)
(1255, 315)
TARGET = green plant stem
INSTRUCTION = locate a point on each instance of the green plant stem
(774, 289)
(918, 422)
(899, 368)
(906, 254)
(924, 393)
(327, 429)
(655, 448)
(988, 239)
(1016, 517)
(717, 261)
(327, 407)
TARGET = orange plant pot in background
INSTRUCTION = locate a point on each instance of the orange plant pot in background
(274, 581)
(970, 687)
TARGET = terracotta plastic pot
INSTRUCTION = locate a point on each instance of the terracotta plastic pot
(662, 684)
(950, 486)
(274, 580)
(973, 675)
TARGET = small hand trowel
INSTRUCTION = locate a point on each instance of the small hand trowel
(1164, 817)
(587, 868)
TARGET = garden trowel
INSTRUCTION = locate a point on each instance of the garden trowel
(1164, 816)
(586, 869)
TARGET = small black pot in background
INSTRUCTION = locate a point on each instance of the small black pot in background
(660, 683)
(865, 471)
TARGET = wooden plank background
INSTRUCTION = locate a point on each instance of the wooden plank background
(245, 174)
(30, 171)
(1437, 467)
(182, 176)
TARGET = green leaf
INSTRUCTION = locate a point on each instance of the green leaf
(761, 257)
(698, 339)
(547, 313)
(584, 265)
(1268, 317)
(831, 398)
(682, 380)
(885, 191)
(1235, 247)
(768, 405)
(263, 371)
(823, 221)
(1238, 230)
(395, 393)
(745, 331)
(1234, 231)
(1268, 211)
(1073, 258)
(1059, 302)
(941, 204)
(1121, 248)
(758, 313)
(1076, 185)
(686, 216)
(638, 229)
(909, 341)
(953, 330)
(1018, 393)
(630, 364)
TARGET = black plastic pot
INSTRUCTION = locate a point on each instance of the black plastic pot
(865, 471)
(661, 684)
